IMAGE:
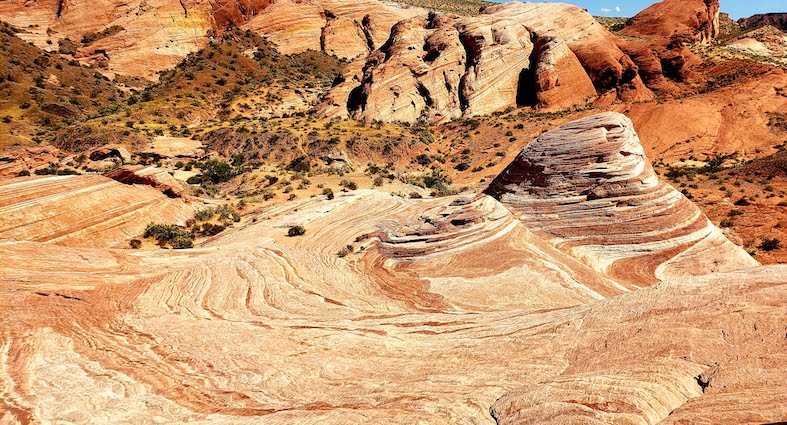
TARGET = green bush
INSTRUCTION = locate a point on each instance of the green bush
(166, 233)
(182, 242)
(328, 193)
(437, 180)
(348, 184)
(216, 171)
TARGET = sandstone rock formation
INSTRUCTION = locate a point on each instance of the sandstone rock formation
(175, 147)
(589, 189)
(658, 38)
(143, 37)
(778, 20)
(347, 29)
(25, 159)
(766, 42)
(110, 151)
(150, 176)
(685, 379)
(695, 19)
(443, 67)
(258, 326)
(90, 211)
(439, 310)
(153, 35)
(730, 119)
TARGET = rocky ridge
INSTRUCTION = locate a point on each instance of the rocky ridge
(444, 66)
(778, 20)
(142, 38)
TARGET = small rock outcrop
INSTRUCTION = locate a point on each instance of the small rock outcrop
(150, 176)
(445, 66)
(110, 151)
(588, 187)
(85, 211)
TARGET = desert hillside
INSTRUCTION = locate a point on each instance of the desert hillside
(365, 211)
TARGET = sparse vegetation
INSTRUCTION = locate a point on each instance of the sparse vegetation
(173, 235)
(771, 244)
(296, 231)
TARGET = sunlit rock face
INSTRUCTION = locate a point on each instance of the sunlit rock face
(142, 37)
(697, 19)
(93, 211)
(588, 187)
(441, 67)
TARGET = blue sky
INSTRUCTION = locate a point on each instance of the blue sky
(736, 8)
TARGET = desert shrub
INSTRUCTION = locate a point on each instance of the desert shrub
(299, 165)
(209, 229)
(204, 214)
(743, 202)
(182, 242)
(437, 180)
(169, 234)
(347, 250)
(328, 193)
(135, 243)
(49, 170)
(770, 244)
(423, 159)
(348, 184)
(164, 232)
(216, 171)
(296, 231)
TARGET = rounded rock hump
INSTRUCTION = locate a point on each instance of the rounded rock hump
(588, 188)
(697, 19)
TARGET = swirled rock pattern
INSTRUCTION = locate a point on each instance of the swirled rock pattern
(392, 310)
(588, 187)
(451, 305)
(443, 67)
(83, 210)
